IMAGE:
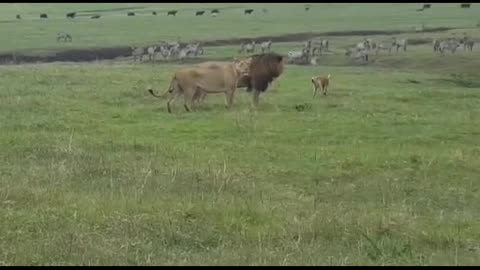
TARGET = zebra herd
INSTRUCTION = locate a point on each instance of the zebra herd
(311, 49)
(452, 44)
(362, 50)
(168, 50)
(250, 47)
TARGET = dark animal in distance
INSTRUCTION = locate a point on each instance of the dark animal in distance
(199, 13)
(131, 14)
(64, 36)
(18, 16)
(307, 8)
(215, 11)
(172, 12)
(71, 15)
(154, 13)
(43, 16)
(465, 5)
(248, 11)
(427, 6)
(95, 17)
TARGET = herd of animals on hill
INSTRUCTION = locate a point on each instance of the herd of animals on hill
(256, 72)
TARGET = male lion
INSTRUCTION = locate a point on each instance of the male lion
(264, 68)
(210, 78)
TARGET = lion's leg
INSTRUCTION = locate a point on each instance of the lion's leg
(229, 98)
(325, 90)
(189, 95)
(171, 100)
(256, 95)
(314, 90)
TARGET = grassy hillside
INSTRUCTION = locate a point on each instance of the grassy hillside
(382, 171)
(115, 28)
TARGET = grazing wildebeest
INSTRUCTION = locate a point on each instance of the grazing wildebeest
(95, 17)
(215, 11)
(43, 16)
(131, 14)
(427, 6)
(192, 82)
(250, 47)
(172, 12)
(320, 82)
(64, 36)
(18, 16)
(307, 8)
(265, 46)
(154, 13)
(199, 13)
(248, 11)
(71, 15)
(137, 52)
(465, 5)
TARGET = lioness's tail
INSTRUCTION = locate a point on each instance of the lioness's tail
(169, 90)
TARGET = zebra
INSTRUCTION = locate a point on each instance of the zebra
(266, 46)
(400, 43)
(151, 52)
(137, 52)
(250, 47)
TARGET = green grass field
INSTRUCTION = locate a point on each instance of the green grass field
(382, 171)
(116, 29)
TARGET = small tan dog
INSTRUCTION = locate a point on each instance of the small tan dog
(322, 83)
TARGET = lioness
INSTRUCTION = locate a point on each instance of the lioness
(212, 77)
(243, 80)
(320, 82)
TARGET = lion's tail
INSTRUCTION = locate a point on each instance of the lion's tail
(169, 90)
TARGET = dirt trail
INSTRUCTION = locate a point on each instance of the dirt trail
(94, 54)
